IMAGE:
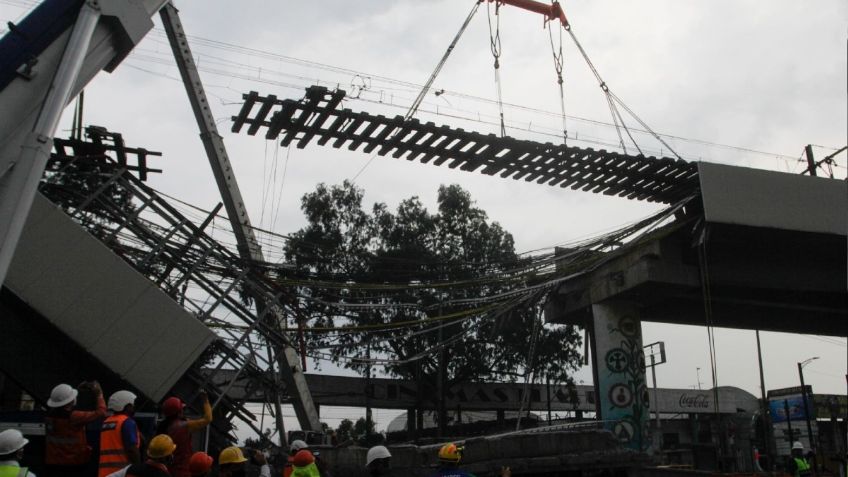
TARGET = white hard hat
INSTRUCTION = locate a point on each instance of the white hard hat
(297, 445)
(376, 452)
(11, 441)
(61, 395)
(119, 400)
(797, 445)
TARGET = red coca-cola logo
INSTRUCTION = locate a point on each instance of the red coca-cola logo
(700, 401)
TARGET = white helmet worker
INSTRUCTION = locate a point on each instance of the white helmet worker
(376, 452)
(62, 395)
(11, 441)
(797, 445)
(120, 400)
(297, 445)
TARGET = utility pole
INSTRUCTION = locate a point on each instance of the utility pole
(811, 161)
(764, 409)
(810, 436)
(248, 248)
(653, 351)
(442, 413)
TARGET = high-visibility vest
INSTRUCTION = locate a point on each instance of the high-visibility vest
(802, 467)
(13, 471)
(113, 456)
(65, 443)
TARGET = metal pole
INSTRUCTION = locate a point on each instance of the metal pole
(811, 161)
(368, 389)
(36, 149)
(788, 421)
(288, 362)
(807, 416)
(548, 390)
(440, 385)
(657, 423)
(768, 436)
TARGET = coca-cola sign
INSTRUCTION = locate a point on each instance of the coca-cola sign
(694, 401)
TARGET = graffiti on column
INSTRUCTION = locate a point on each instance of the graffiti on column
(625, 403)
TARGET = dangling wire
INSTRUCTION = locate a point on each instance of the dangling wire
(558, 64)
(495, 46)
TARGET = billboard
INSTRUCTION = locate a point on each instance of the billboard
(787, 408)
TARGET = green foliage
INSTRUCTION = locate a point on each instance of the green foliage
(458, 250)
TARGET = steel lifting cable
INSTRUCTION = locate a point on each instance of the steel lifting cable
(558, 65)
(426, 88)
(495, 46)
(415, 104)
(612, 99)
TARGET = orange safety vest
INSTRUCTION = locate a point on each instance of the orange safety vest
(65, 442)
(113, 456)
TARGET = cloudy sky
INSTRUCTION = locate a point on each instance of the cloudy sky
(745, 82)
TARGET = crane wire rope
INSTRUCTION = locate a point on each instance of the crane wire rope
(611, 97)
(413, 108)
(495, 47)
(559, 61)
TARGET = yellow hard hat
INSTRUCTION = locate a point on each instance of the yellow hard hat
(231, 455)
(161, 446)
(450, 453)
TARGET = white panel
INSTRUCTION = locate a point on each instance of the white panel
(758, 198)
(103, 304)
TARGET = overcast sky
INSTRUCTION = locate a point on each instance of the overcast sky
(764, 77)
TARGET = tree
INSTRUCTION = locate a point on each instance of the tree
(452, 270)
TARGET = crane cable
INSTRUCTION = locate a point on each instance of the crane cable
(612, 99)
(426, 88)
(558, 64)
(495, 46)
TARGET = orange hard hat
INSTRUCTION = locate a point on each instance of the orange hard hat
(303, 458)
(200, 463)
(172, 407)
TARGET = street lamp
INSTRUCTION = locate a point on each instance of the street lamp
(804, 397)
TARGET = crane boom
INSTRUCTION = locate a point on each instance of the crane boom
(551, 12)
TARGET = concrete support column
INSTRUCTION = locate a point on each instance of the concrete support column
(619, 367)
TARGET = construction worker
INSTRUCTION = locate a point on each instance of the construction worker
(231, 463)
(378, 461)
(296, 446)
(798, 465)
(180, 429)
(12, 444)
(303, 465)
(449, 457)
(160, 453)
(200, 464)
(120, 441)
(67, 452)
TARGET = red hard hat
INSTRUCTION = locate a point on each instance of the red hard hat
(172, 407)
(302, 458)
(200, 463)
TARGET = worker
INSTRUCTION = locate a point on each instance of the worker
(180, 429)
(296, 446)
(12, 444)
(67, 452)
(303, 464)
(120, 441)
(231, 463)
(798, 465)
(200, 464)
(378, 461)
(449, 457)
(160, 453)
